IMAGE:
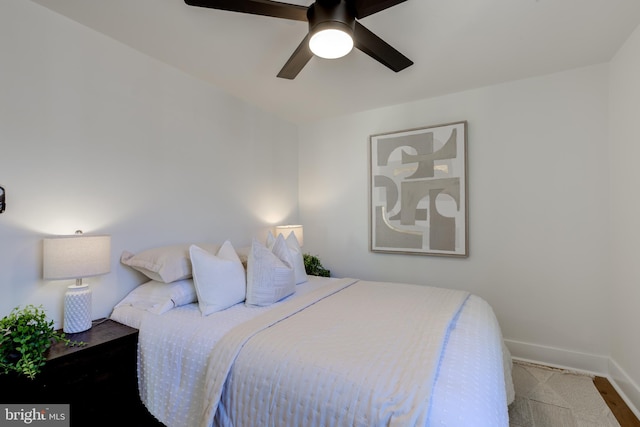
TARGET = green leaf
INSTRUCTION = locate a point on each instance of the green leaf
(25, 336)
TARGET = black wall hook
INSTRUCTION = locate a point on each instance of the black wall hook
(3, 204)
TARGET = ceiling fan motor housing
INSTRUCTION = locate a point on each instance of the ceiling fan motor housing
(337, 14)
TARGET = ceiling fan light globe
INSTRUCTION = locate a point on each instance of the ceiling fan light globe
(331, 43)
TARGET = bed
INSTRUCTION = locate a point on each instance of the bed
(335, 352)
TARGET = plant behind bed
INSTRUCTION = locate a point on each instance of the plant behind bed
(25, 336)
(314, 267)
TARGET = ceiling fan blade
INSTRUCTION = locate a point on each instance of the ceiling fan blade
(369, 7)
(297, 61)
(379, 50)
(256, 7)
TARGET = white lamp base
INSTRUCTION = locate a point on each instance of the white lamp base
(77, 309)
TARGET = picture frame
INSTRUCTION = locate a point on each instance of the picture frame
(418, 196)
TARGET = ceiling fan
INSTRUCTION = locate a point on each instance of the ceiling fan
(331, 23)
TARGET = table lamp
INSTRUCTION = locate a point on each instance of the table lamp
(297, 230)
(76, 257)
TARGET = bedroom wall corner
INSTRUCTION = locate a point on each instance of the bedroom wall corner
(624, 276)
(97, 136)
(628, 389)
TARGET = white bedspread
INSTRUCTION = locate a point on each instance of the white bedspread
(372, 361)
(284, 373)
(174, 348)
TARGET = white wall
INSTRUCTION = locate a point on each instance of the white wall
(538, 189)
(624, 280)
(94, 135)
(98, 137)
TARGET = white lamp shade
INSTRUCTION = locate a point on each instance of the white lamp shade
(297, 230)
(76, 257)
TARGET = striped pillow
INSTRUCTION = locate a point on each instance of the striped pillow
(270, 274)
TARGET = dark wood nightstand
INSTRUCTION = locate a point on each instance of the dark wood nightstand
(98, 380)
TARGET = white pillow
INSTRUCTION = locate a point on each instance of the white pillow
(270, 275)
(159, 297)
(296, 255)
(219, 279)
(165, 263)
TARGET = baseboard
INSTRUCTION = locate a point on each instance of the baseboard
(559, 358)
(580, 362)
(625, 386)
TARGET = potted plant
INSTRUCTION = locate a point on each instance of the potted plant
(25, 336)
(314, 267)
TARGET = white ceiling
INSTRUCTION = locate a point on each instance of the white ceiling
(455, 45)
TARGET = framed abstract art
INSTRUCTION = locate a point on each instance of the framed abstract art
(418, 191)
